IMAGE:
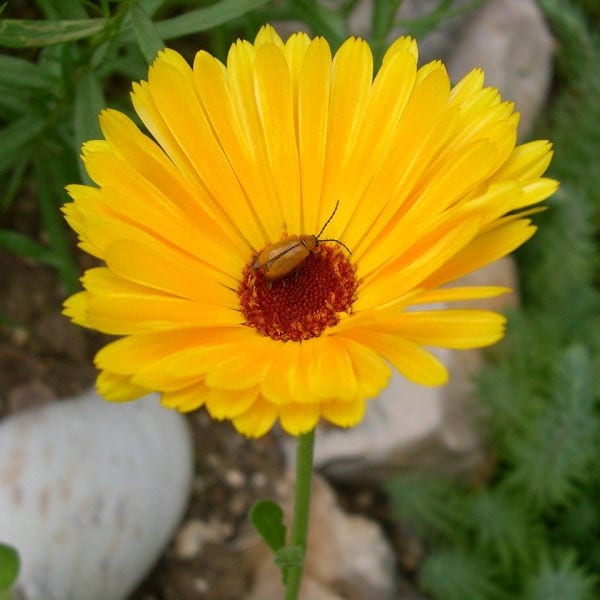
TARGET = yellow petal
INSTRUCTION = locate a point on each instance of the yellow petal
(186, 399)
(156, 266)
(257, 420)
(227, 404)
(118, 388)
(297, 419)
(313, 112)
(331, 374)
(483, 250)
(344, 414)
(273, 89)
(408, 358)
(459, 329)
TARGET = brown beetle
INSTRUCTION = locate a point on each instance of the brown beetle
(281, 258)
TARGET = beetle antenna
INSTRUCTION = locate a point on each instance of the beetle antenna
(328, 220)
(338, 242)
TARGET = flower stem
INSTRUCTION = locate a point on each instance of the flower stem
(304, 469)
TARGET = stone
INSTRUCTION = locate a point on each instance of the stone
(348, 556)
(510, 40)
(91, 493)
(410, 426)
(193, 535)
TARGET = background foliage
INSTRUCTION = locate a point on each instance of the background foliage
(533, 532)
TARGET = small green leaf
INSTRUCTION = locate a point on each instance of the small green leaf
(205, 18)
(9, 566)
(148, 39)
(28, 33)
(89, 101)
(19, 73)
(65, 9)
(16, 136)
(20, 244)
(267, 518)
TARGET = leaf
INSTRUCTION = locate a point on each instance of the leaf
(28, 33)
(267, 518)
(554, 455)
(148, 39)
(16, 136)
(89, 101)
(458, 574)
(560, 579)
(19, 73)
(205, 18)
(9, 566)
(20, 244)
(65, 9)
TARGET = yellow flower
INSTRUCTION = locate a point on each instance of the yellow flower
(218, 305)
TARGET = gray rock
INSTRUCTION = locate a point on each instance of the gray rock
(90, 494)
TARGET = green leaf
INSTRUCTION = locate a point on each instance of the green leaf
(555, 454)
(16, 136)
(24, 246)
(54, 225)
(457, 574)
(561, 579)
(23, 33)
(89, 101)
(322, 21)
(267, 518)
(65, 9)
(19, 73)
(15, 181)
(9, 566)
(205, 18)
(433, 506)
(148, 39)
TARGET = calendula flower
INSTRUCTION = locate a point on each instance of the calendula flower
(219, 279)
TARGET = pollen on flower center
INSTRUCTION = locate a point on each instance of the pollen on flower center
(302, 304)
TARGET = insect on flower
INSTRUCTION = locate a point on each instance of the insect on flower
(281, 258)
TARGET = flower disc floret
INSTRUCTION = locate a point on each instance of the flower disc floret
(305, 302)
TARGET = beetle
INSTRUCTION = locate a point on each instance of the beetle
(281, 258)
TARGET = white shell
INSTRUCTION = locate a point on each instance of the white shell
(90, 494)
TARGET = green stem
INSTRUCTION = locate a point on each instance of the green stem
(304, 469)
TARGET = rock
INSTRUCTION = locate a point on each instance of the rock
(348, 557)
(411, 426)
(510, 40)
(194, 534)
(90, 494)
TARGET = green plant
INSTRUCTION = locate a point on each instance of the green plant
(533, 531)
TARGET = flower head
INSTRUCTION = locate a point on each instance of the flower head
(220, 279)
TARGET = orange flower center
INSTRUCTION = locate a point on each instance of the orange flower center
(302, 304)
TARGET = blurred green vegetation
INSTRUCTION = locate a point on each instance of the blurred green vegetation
(533, 532)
